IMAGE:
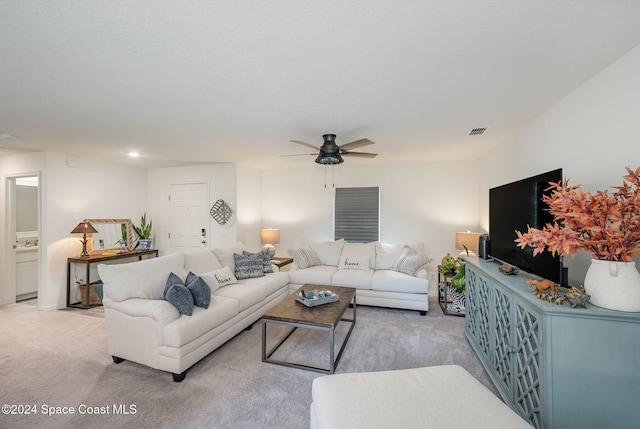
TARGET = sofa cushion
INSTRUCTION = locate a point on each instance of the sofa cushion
(410, 261)
(178, 295)
(246, 294)
(352, 278)
(186, 329)
(271, 282)
(266, 259)
(387, 254)
(225, 255)
(353, 263)
(320, 275)
(201, 261)
(328, 251)
(367, 250)
(141, 279)
(199, 289)
(218, 278)
(304, 257)
(394, 281)
(248, 266)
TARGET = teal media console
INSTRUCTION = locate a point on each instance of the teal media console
(557, 366)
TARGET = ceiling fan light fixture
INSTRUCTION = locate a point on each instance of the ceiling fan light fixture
(329, 158)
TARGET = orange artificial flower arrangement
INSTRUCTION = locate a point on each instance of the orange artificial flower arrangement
(607, 225)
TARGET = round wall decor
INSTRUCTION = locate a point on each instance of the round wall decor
(221, 212)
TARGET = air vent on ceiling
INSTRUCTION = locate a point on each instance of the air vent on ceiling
(477, 131)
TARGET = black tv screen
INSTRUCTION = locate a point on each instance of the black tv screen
(513, 207)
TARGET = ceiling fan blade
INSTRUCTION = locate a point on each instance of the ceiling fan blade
(306, 144)
(356, 144)
(359, 154)
(299, 154)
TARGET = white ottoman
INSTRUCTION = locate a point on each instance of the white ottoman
(435, 397)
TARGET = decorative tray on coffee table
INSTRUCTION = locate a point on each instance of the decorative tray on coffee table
(313, 298)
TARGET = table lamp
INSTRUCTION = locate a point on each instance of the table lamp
(269, 237)
(467, 242)
(84, 228)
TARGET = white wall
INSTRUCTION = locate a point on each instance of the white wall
(94, 190)
(426, 202)
(250, 207)
(592, 134)
(222, 182)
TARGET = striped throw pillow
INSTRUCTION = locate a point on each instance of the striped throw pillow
(410, 261)
(304, 257)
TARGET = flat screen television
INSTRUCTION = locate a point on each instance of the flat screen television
(515, 206)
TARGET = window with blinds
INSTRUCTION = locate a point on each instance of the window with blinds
(357, 214)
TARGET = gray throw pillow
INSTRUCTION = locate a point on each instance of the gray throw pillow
(248, 267)
(173, 279)
(199, 289)
(178, 295)
(266, 259)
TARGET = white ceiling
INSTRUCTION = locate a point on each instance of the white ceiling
(234, 80)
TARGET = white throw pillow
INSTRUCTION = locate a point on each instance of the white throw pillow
(304, 257)
(225, 255)
(410, 261)
(200, 261)
(328, 251)
(354, 263)
(219, 278)
(143, 279)
(388, 254)
(367, 250)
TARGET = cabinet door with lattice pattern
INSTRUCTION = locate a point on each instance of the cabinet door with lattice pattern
(502, 342)
(477, 312)
(527, 377)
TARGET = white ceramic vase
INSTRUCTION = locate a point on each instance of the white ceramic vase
(613, 285)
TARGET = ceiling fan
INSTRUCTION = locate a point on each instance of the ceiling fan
(330, 153)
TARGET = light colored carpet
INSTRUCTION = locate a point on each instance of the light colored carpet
(59, 359)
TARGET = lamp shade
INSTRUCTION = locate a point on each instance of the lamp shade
(270, 236)
(84, 228)
(468, 239)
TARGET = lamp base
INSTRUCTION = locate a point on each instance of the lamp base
(271, 249)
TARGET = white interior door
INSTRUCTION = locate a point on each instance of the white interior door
(188, 217)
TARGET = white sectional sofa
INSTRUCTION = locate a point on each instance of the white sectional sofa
(145, 328)
(384, 275)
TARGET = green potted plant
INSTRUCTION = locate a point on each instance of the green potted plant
(144, 233)
(605, 224)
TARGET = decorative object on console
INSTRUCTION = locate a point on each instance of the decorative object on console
(467, 242)
(576, 297)
(84, 228)
(269, 237)
(605, 224)
(508, 270)
(144, 232)
(542, 285)
(221, 212)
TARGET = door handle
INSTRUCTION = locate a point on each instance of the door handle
(204, 242)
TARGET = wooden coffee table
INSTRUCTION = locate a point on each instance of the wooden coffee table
(323, 317)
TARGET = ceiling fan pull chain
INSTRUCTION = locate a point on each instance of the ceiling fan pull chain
(333, 176)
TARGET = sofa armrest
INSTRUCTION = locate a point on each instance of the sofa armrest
(422, 273)
(161, 311)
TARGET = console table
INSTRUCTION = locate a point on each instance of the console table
(556, 366)
(92, 259)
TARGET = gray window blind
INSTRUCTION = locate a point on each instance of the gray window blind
(357, 214)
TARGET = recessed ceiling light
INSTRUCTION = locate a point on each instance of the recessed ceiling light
(134, 154)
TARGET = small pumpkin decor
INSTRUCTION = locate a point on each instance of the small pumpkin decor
(605, 224)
